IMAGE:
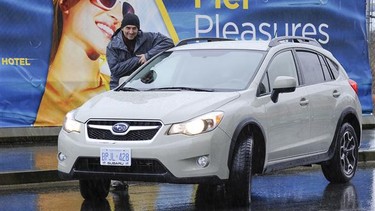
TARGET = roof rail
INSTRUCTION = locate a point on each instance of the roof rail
(199, 39)
(295, 39)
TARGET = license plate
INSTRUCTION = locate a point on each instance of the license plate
(115, 157)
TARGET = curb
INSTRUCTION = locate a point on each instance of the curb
(25, 177)
(366, 156)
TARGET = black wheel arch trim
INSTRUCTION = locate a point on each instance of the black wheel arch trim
(244, 123)
(343, 118)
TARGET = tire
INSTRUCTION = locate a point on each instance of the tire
(239, 185)
(94, 189)
(341, 168)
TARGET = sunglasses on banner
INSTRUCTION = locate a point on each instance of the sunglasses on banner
(106, 4)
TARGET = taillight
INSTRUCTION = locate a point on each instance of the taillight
(354, 85)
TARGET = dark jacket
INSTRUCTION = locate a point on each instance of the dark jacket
(122, 62)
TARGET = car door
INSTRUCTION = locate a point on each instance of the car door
(323, 93)
(288, 119)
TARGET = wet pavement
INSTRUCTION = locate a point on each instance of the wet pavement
(303, 188)
(294, 189)
(28, 163)
(26, 158)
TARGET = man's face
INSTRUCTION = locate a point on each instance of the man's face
(130, 31)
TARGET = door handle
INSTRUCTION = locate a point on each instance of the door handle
(304, 102)
(336, 94)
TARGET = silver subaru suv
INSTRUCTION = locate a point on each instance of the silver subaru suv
(214, 112)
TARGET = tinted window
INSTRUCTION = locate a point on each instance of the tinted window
(334, 68)
(311, 68)
(327, 73)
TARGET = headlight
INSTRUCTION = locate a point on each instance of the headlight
(70, 124)
(197, 125)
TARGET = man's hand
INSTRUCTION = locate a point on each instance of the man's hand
(142, 58)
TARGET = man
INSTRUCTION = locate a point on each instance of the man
(132, 48)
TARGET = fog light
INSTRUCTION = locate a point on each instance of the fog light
(203, 161)
(61, 156)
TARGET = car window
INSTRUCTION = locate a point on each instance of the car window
(282, 64)
(311, 68)
(328, 76)
(334, 68)
(161, 68)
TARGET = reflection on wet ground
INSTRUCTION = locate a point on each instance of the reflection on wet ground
(296, 189)
(28, 158)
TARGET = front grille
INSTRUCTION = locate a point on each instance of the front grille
(138, 166)
(133, 135)
(142, 133)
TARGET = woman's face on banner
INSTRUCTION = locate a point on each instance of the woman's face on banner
(92, 27)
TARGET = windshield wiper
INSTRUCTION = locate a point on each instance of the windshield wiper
(182, 88)
(129, 89)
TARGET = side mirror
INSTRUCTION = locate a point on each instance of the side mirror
(283, 84)
(149, 77)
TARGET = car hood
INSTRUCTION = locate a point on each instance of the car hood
(169, 107)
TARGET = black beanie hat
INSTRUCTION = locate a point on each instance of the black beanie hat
(130, 19)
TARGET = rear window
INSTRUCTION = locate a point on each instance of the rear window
(334, 68)
(311, 68)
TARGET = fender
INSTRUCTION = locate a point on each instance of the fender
(342, 120)
(240, 127)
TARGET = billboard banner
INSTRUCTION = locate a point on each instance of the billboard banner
(53, 52)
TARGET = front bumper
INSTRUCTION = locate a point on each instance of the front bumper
(166, 177)
(165, 158)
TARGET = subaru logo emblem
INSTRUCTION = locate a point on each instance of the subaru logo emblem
(120, 127)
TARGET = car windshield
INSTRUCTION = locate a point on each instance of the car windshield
(197, 70)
